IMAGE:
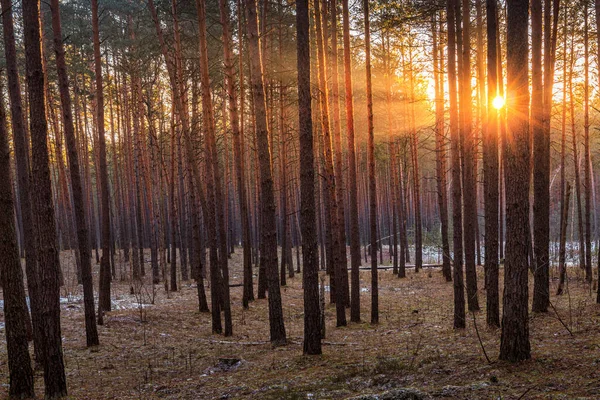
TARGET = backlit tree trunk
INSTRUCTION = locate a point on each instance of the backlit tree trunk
(310, 254)
(268, 220)
(104, 290)
(43, 209)
(91, 331)
(459, 289)
(11, 279)
(490, 172)
(352, 184)
(514, 342)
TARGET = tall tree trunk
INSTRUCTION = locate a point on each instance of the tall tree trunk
(468, 159)
(310, 254)
(268, 220)
(43, 209)
(490, 172)
(104, 290)
(597, 9)
(330, 183)
(213, 170)
(459, 289)
(440, 152)
(371, 168)
(587, 161)
(337, 141)
(195, 179)
(24, 180)
(541, 167)
(576, 160)
(11, 279)
(352, 184)
(91, 331)
(514, 341)
(238, 150)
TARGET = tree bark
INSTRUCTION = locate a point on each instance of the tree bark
(104, 290)
(514, 341)
(310, 253)
(352, 184)
(24, 181)
(268, 220)
(371, 169)
(11, 279)
(459, 289)
(490, 172)
(43, 209)
(91, 331)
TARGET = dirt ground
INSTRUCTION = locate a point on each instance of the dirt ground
(166, 350)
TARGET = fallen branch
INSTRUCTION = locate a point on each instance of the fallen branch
(560, 319)
(479, 337)
(232, 342)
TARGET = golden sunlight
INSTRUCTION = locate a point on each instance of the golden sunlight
(498, 102)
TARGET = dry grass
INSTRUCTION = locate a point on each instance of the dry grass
(172, 355)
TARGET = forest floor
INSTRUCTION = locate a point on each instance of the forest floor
(172, 354)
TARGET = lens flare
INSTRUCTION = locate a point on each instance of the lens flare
(498, 102)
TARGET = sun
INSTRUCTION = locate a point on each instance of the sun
(498, 102)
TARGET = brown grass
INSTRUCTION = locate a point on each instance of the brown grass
(173, 354)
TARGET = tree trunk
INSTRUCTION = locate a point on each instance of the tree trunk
(11, 279)
(268, 220)
(468, 155)
(459, 289)
(587, 161)
(310, 254)
(43, 210)
(371, 168)
(91, 331)
(490, 172)
(597, 9)
(214, 172)
(514, 342)
(352, 184)
(238, 150)
(564, 214)
(104, 289)
(440, 152)
(24, 180)
(337, 141)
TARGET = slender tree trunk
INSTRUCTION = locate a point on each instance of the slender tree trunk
(268, 229)
(335, 266)
(352, 184)
(490, 172)
(597, 9)
(587, 161)
(562, 266)
(459, 289)
(91, 331)
(468, 158)
(214, 171)
(440, 153)
(576, 161)
(337, 141)
(541, 167)
(195, 179)
(104, 290)
(371, 168)
(43, 210)
(310, 254)
(238, 150)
